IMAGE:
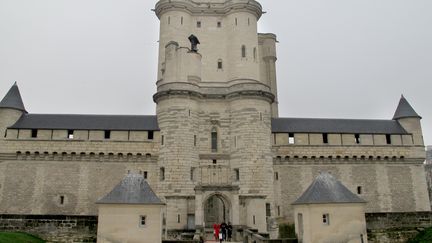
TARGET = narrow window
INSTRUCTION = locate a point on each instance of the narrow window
(254, 219)
(235, 141)
(219, 24)
(255, 53)
(181, 21)
(70, 134)
(169, 20)
(145, 174)
(249, 21)
(236, 21)
(162, 174)
(326, 219)
(388, 138)
(62, 200)
(162, 140)
(142, 220)
(178, 218)
(198, 24)
(359, 190)
(357, 138)
(107, 134)
(192, 174)
(268, 210)
(243, 51)
(34, 133)
(150, 135)
(325, 138)
(219, 64)
(291, 139)
(214, 140)
(276, 176)
(278, 209)
(195, 140)
(237, 174)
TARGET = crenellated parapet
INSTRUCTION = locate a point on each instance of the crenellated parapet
(209, 7)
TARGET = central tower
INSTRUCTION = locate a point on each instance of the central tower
(214, 109)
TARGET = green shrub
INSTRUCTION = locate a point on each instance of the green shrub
(287, 231)
(424, 236)
(8, 237)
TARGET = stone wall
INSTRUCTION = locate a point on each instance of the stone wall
(52, 228)
(396, 227)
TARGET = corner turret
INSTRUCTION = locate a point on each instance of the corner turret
(11, 108)
(409, 120)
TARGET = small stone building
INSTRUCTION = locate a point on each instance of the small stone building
(131, 212)
(327, 212)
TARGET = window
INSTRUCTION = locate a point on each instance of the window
(107, 134)
(150, 135)
(162, 140)
(236, 21)
(325, 138)
(357, 138)
(291, 139)
(70, 134)
(219, 24)
(243, 51)
(62, 200)
(214, 161)
(214, 140)
(34, 133)
(255, 53)
(162, 174)
(248, 21)
(198, 24)
(142, 220)
(145, 174)
(326, 219)
(388, 139)
(268, 210)
(219, 64)
(359, 190)
(254, 219)
(181, 21)
(195, 140)
(278, 210)
(192, 174)
(276, 175)
(169, 20)
(237, 174)
(178, 218)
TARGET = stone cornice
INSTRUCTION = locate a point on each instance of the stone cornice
(197, 8)
(232, 95)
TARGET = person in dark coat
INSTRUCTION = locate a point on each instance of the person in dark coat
(229, 230)
(224, 230)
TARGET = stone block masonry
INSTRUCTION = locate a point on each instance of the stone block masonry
(53, 228)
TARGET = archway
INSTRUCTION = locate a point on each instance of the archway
(216, 210)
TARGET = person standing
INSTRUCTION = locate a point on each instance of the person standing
(224, 231)
(229, 230)
(216, 231)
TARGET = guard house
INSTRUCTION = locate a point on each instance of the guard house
(131, 212)
(328, 212)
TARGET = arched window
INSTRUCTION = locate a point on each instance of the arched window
(220, 64)
(214, 140)
(243, 51)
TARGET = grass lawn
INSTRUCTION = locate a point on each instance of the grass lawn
(10, 237)
(423, 237)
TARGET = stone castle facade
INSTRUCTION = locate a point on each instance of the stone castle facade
(216, 150)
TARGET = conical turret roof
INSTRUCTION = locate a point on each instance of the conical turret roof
(405, 110)
(327, 189)
(133, 189)
(13, 99)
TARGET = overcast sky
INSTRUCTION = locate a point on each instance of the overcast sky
(336, 58)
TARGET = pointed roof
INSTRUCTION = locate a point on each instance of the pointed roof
(133, 189)
(327, 189)
(13, 99)
(404, 110)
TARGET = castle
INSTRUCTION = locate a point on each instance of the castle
(216, 150)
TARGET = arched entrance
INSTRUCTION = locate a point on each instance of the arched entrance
(216, 210)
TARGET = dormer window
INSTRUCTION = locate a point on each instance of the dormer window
(70, 134)
(34, 133)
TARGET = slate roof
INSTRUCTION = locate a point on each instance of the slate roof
(13, 99)
(133, 189)
(321, 125)
(327, 189)
(405, 110)
(87, 122)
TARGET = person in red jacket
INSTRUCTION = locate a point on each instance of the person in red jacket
(216, 229)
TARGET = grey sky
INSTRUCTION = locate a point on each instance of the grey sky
(337, 58)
